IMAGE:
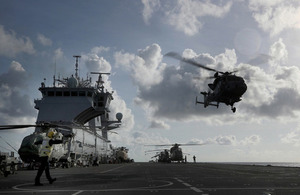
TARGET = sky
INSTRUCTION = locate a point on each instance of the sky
(156, 94)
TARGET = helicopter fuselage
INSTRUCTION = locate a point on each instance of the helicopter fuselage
(226, 89)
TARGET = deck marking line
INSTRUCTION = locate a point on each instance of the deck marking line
(113, 169)
(179, 180)
(76, 193)
(186, 184)
(189, 185)
(196, 189)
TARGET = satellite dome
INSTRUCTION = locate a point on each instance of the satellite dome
(119, 116)
(72, 82)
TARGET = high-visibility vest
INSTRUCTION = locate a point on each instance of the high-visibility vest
(46, 149)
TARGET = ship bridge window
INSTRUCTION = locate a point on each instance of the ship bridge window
(89, 94)
(66, 93)
(74, 93)
(59, 93)
(81, 93)
(50, 93)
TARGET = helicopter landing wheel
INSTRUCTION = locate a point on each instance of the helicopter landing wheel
(233, 109)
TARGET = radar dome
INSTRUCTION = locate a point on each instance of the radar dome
(119, 116)
(72, 82)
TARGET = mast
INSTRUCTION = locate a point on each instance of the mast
(76, 65)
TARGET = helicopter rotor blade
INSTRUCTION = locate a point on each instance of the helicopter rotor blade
(175, 144)
(189, 61)
(7, 127)
(204, 78)
(191, 144)
(161, 145)
(192, 62)
(45, 125)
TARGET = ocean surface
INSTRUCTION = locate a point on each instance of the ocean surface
(277, 164)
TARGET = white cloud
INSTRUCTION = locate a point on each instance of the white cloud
(228, 140)
(146, 68)
(158, 124)
(100, 49)
(186, 15)
(44, 40)
(252, 140)
(58, 54)
(11, 45)
(149, 7)
(276, 16)
(14, 106)
(95, 63)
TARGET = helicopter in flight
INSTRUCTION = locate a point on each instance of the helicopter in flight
(227, 88)
(174, 154)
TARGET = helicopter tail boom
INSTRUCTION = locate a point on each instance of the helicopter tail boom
(205, 103)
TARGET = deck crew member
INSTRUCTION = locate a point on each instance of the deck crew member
(44, 155)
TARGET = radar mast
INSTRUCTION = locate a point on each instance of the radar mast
(76, 65)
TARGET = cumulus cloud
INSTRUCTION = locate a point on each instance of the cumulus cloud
(186, 15)
(44, 40)
(58, 54)
(228, 140)
(149, 7)
(96, 63)
(276, 16)
(100, 49)
(14, 106)
(11, 45)
(146, 67)
(167, 92)
(292, 138)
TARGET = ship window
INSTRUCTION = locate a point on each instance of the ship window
(100, 104)
(81, 93)
(101, 98)
(66, 93)
(74, 93)
(50, 93)
(89, 94)
(58, 93)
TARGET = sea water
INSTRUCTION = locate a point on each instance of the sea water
(277, 164)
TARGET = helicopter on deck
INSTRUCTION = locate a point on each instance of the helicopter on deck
(163, 156)
(227, 88)
(174, 154)
(120, 155)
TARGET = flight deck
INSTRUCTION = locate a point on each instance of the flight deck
(160, 178)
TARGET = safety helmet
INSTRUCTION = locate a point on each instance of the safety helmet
(51, 133)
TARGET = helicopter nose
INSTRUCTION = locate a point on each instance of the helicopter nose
(242, 88)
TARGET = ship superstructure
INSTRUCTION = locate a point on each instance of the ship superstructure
(84, 109)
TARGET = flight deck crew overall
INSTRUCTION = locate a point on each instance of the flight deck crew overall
(44, 155)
